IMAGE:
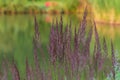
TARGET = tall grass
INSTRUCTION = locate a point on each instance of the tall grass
(69, 55)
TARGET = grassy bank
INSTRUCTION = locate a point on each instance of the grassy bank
(106, 11)
(40, 6)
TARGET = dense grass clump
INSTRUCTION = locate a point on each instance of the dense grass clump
(70, 57)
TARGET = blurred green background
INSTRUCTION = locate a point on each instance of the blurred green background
(102, 10)
(17, 30)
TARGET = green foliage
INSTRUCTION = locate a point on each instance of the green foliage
(117, 71)
(106, 4)
(68, 4)
(71, 4)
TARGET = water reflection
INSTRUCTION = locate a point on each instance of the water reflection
(16, 35)
(16, 31)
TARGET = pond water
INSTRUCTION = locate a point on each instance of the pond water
(16, 34)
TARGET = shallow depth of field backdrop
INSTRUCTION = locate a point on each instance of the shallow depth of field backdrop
(17, 24)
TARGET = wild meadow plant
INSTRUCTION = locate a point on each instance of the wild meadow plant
(70, 55)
